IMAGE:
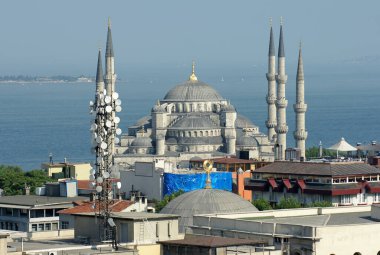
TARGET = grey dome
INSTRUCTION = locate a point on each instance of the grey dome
(205, 201)
(144, 121)
(194, 122)
(142, 142)
(243, 122)
(193, 91)
(247, 141)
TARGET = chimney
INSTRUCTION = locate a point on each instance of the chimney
(26, 190)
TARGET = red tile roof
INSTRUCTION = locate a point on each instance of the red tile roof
(88, 207)
(85, 184)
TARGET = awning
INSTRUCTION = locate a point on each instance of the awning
(342, 146)
(337, 192)
(301, 184)
(272, 183)
(287, 183)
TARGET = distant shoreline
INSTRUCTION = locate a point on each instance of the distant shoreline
(22, 79)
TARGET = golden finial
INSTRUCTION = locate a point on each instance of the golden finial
(192, 76)
(270, 21)
(281, 21)
(109, 22)
(207, 166)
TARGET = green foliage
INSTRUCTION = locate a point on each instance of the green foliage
(13, 179)
(261, 204)
(167, 199)
(313, 152)
(287, 203)
(320, 204)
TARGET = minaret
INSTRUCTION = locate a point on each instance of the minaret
(281, 102)
(271, 96)
(300, 134)
(99, 75)
(110, 76)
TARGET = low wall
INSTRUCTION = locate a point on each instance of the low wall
(63, 233)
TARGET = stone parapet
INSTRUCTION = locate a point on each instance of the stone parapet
(281, 78)
(271, 99)
(282, 129)
(300, 108)
(270, 123)
(271, 76)
(281, 103)
(300, 135)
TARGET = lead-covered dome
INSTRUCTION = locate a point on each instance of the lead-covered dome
(194, 122)
(193, 90)
(247, 141)
(144, 142)
(205, 201)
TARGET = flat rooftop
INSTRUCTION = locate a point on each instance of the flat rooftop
(320, 220)
(35, 201)
(134, 215)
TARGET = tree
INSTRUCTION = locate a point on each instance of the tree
(13, 179)
(313, 152)
(161, 204)
(261, 204)
(287, 203)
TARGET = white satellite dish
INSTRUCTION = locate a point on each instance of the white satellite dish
(99, 139)
(118, 131)
(91, 177)
(93, 127)
(99, 189)
(116, 120)
(107, 99)
(117, 140)
(92, 171)
(93, 184)
(108, 123)
(99, 179)
(115, 95)
(117, 102)
(118, 108)
(91, 103)
(108, 108)
(106, 175)
(118, 184)
(111, 222)
(103, 145)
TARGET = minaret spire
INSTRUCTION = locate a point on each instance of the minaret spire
(271, 77)
(193, 77)
(281, 102)
(300, 134)
(99, 75)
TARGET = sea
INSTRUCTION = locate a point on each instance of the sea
(37, 119)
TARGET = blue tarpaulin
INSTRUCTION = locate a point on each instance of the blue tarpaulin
(189, 182)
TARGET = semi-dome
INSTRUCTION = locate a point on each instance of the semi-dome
(247, 141)
(193, 90)
(142, 142)
(243, 122)
(194, 122)
(205, 201)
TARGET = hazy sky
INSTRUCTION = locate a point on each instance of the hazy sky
(62, 37)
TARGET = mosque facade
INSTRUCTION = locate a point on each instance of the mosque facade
(194, 120)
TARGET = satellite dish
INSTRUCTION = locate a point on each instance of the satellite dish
(92, 178)
(99, 189)
(111, 222)
(116, 120)
(93, 127)
(118, 184)
(118, 131)
(99, 179)
(106, 175)
(115, 95)
(108, 108)
(107, 99)
(108, 123)
(118, 108)
(117, 102)
(93, 184)
(117, 140)
(91, 103)
(92, 171)
(99, 139)
(103, 145)
(94, 135)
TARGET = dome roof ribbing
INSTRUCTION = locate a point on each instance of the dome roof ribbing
(193, 90)
(206, 201)
(194, 122)
(247, 141)
(142, 142)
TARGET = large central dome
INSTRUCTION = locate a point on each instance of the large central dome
(193, 91)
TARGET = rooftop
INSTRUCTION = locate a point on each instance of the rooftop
(92, 206)
(36, 201)
(212, 241)
(320, 169)
(133, 215)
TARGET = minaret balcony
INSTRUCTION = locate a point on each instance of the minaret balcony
(300, 134)
(281, 78)
(271, 77)
(271, 99)
(282, 129)
(271, 123)
(300, 107)
(281, 103)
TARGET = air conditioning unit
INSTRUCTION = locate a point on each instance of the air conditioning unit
(53, 253)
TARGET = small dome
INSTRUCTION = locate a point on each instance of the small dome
(193, 90)
(243, 122)
(205, 201)
(247, 141)
(228, 108)
(194, 122)
(142, 142)
(144, 121)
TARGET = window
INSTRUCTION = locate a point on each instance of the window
(49, 212)
(361, 198)
(41, 227)
(47, 226)
(345, 199)
(34, 227)
(376, 198)
(357, 253)
(64, 225)
(54, 226)
(8, 211)
(24, 213)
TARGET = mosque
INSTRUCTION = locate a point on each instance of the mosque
(194, 120)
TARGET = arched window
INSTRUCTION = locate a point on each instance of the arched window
(358, 253)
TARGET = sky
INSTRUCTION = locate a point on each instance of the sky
(44, 37)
